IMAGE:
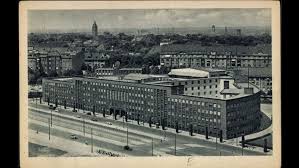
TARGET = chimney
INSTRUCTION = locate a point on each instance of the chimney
(248, 90)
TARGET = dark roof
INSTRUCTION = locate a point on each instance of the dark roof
(196, 48)
(257, 72)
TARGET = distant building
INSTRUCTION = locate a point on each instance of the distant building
(213, 28)
(238, 32)
(225, 30)
(94, 29)
(95, 59)
(32, 59)
(58, 59)
(225, 57)
(51, 62)
(260, 77)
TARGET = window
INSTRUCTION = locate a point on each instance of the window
(192, 88)
(192, 82)
(198, 87)
(186, 89)
(226, 84)
(204, 87)
(210, 86)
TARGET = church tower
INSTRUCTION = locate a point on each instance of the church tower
(94, 29)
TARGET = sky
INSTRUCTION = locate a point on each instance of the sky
(146, 18)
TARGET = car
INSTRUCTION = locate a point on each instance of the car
(74, 136)
(56, 110)
(89, 113)
(78, 116)
(109, 123)
(94, 119)
(157, 125)
(75, 111)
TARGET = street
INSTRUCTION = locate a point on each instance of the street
(114, 137)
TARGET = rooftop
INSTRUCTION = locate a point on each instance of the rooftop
(135, 76)
(189, 72)
(196, 48)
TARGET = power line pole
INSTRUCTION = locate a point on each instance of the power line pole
(127, 135)
(83, 126)
(49, 128)
(91, 140)
(216, 142)
(175, 144)
(51, 116)
(152, 146)
(248, 75)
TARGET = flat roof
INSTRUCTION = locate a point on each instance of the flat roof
(189, 72)
(62, 79)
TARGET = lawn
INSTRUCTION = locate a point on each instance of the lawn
(36, 150)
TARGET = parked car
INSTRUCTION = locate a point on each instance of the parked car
(78, 116)
(56, 110)
(75, 111)
(109, 123)
(74, 136)
(52, 107)
(94, 119)
(89, 113)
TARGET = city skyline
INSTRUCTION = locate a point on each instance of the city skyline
(63, 20)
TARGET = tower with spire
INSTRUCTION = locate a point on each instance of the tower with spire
(95, 29)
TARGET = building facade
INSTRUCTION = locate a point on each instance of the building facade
(162, 101)
(117, 71)
(179, 56)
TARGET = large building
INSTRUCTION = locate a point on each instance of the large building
(203, 102)
(179, 56)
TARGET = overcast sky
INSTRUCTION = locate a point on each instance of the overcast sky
(115, 18)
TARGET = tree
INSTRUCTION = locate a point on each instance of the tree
(207, 133)
(150, 122)
(221, 136)
(191, 129)
(93, 110)
(154, 70)
(69, 72)
(53, 74)
(265, 145)
(138, 118)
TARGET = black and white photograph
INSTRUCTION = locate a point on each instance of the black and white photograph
(149, 82)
